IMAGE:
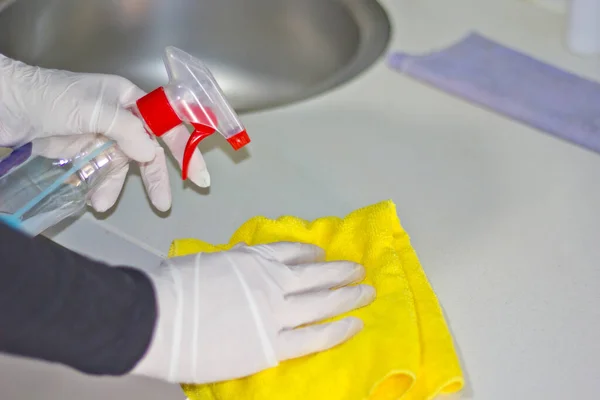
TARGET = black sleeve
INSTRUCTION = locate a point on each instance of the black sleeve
(59, 306)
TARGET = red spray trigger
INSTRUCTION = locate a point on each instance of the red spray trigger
(192, 96)
(202, 129)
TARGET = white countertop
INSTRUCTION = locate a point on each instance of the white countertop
(504, 218)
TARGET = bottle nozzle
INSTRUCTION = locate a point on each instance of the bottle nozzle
(192, 96)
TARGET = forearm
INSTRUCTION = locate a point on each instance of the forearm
(61, 307)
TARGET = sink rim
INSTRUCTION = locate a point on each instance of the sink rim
(375, 31)
(374, 43)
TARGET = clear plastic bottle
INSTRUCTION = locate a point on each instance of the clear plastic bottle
(43, 191)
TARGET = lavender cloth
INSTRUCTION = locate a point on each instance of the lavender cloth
(514, 84)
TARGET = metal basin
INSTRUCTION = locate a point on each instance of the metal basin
(264, 53)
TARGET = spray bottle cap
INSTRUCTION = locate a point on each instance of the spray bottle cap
(192, 96)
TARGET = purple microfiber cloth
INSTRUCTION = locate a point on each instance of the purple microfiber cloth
(514, 84)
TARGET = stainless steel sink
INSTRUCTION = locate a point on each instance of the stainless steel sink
(264, 53)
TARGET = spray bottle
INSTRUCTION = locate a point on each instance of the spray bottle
(37, 192)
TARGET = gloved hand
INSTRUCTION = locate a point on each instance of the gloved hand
(231, 314)
(59, 111)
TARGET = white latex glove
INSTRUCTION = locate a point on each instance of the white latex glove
(231, 314)
(58, 111)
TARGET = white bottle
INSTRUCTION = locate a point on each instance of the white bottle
(583, 27)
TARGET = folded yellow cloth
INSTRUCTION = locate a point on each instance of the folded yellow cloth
(405, 350)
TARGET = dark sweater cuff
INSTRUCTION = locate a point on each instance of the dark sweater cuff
(61, 307)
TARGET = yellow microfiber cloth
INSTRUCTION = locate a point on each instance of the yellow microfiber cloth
(405, 350)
